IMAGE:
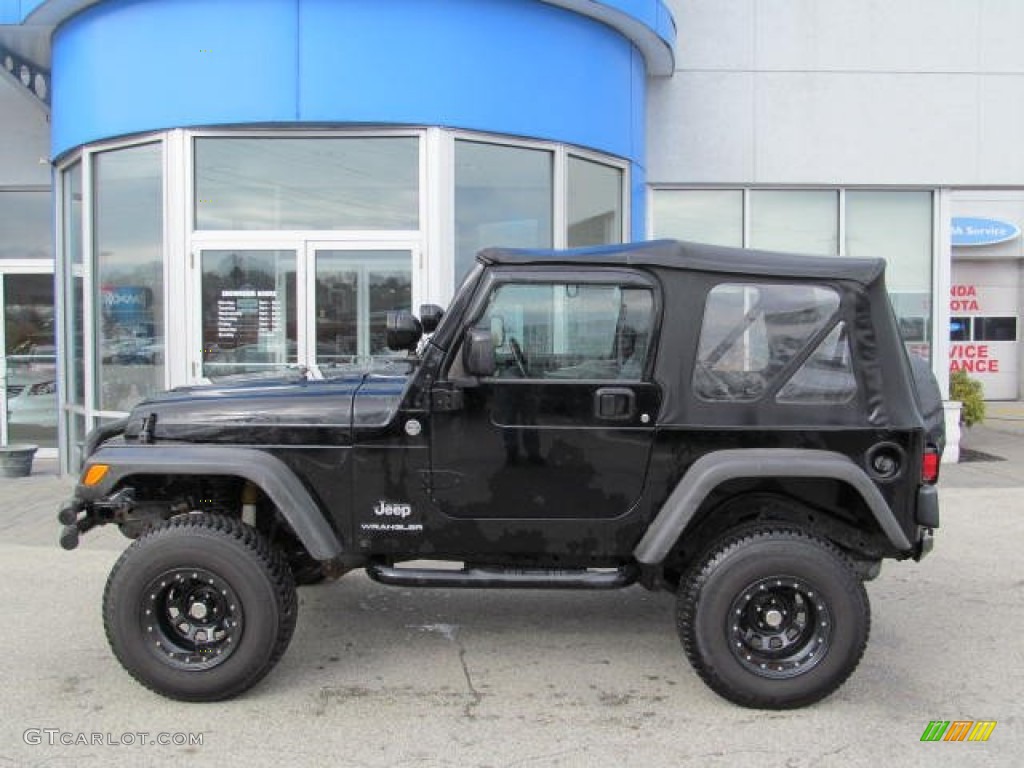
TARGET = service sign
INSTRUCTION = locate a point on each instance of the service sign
(974, 348)
(971, 231)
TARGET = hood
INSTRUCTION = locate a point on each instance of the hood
(284, 411)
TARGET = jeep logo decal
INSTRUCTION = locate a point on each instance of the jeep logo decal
(389, 509)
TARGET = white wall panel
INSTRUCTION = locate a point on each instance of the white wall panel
(868, 35)
(26, 136)
(704, 128)
(903, 92)
(1000, 130)
(861, 129)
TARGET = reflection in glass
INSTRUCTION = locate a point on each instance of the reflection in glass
(797, 221)
(25, 225)
(750, 333)
(594, 203)
(129, 288)
(31, 383)
(72, 229)
(995, 329)
(249, 315)
(569, 331)
(307, 183)
(712, 216)
(76, 440)
(897, 226)
(959, 329)
(503, 197)
(354, 292)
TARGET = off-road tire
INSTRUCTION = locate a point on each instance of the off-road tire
(773, 618)
(200, 608)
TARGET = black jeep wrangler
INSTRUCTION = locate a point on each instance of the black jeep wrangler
(742, 428)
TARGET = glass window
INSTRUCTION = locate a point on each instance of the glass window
(307, 183)
(72, 229)
(700, 215)
(503, 197)
(594, 203)
(128, 286)
(959, 329)
(25, 221)
(796, 221)
(995, 329)
(249, 311)
(826, 376)
(355, 290)
(570, 331)
(750, 332)
(31, 356)
(897, 226)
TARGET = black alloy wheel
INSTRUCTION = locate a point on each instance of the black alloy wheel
(200, 608)
(773, 618)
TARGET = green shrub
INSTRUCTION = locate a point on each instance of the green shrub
(969, 392)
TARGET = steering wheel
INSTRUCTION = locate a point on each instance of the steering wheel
(517, 356)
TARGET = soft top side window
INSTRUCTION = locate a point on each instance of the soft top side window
(750, 332)
(570, 331)
(826, 377)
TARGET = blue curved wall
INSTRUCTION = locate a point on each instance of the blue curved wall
(511, 66)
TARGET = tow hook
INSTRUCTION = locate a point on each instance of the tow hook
(68, 516)
(69, 533)
(97, 513)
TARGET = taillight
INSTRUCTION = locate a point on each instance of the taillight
(930, 466)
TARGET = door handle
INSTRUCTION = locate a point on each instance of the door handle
(614, 404)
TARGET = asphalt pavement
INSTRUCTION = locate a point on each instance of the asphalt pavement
(379, 676)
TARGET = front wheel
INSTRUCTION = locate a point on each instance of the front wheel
(200, 608)
(773, 618)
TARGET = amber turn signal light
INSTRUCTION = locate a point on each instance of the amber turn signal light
(94, 474)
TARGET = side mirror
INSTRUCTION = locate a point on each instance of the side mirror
(478, 353)
(430, 317)
(403, 330)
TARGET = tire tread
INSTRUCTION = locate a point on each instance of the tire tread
(694, 583)
(252, 544)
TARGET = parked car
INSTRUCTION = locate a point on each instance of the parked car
(35, 405)
(764, 450)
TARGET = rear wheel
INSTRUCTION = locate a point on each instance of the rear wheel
(200, 608)
(773, 618)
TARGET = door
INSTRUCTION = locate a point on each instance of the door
(264, 309)
(563, 429)
(28, 365)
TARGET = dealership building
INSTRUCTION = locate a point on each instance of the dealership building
(194, 188)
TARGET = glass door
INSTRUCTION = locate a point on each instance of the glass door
(324, 304)
(353, 290)
(28, 363)
(249, 311)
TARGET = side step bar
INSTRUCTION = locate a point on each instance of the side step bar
(480, 577)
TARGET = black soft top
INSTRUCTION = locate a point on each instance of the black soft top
(675, 254)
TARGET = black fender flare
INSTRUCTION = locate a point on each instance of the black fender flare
(713, 469)
(272, 475)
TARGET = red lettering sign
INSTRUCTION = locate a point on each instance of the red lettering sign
(972, 358)
(974, 366)
(963, 298)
